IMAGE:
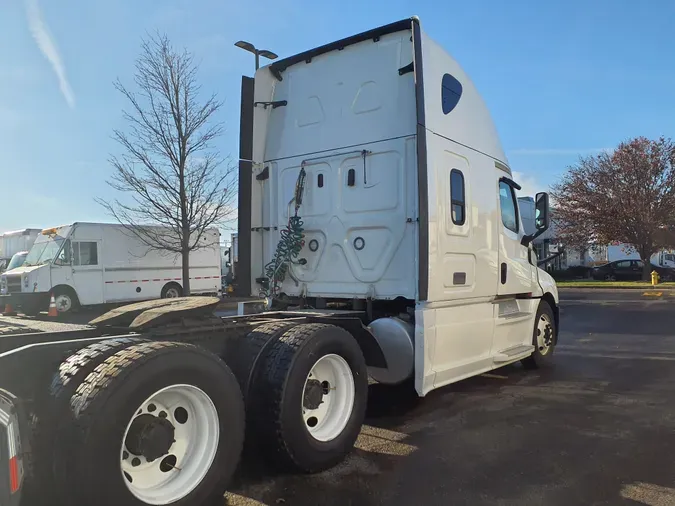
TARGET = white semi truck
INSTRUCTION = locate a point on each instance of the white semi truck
(96, 263)
(378, 218)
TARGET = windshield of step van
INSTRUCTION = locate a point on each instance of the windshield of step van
(17, 261)
(44, 250)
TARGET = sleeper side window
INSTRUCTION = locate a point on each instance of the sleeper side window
(457, 197)
(509, 206)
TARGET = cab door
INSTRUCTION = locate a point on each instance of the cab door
(88, 271)
(514, 268)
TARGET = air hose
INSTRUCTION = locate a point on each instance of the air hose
(290, 244)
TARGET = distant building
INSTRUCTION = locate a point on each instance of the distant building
(546, 245)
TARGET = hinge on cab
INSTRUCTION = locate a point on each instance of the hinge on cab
(408, 68)
(278, 103)
(265, 174)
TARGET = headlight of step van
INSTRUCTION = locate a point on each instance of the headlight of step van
(25, 281)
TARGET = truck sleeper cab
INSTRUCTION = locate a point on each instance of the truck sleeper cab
(408, 206)
(378, 218)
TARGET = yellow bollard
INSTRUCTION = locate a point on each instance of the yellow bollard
(655, 278)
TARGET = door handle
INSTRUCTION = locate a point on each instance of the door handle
(503, 273)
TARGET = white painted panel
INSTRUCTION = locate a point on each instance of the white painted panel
(377, 214)
(341, 98)
(452, 341)
(378, 184)
(458, 267)
(470, 248)
(470, 122)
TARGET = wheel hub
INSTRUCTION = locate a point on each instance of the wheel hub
(314, 392)
(328, 397)
(544, 335)
(150, 436)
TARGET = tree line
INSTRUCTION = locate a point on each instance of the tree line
(624, 195)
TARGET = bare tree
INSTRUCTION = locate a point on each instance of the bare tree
(627, 196)
(175, 183)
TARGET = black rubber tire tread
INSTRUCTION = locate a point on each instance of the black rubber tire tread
(537, 360)
(248, 355)
(54, 405)
(271, 393)
(79, 365)
(101, 389)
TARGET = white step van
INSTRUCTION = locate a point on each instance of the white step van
(96, 263)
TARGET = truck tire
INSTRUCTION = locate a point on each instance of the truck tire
(310, 398)
(167, 416)
(80, 364)
(171, 291)
(66, 300)
(246, 356)
(54, 409)
(543, 338)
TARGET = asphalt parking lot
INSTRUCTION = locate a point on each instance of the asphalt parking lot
(597, 429)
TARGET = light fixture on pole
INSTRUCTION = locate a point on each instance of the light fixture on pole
(247, 46)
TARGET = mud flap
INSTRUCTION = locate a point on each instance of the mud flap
(12, 450)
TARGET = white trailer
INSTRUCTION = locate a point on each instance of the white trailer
(15, 242)
(96, 263)
(663, 258)
(378, 217)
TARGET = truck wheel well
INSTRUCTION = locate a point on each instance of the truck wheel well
(548, 297)
(66, 289)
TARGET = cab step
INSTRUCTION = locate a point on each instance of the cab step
(511, 354)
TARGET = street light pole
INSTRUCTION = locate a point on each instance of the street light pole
(247, 46)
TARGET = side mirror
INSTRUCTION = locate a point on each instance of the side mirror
(228, 264)
(541, 218)
(541, 212)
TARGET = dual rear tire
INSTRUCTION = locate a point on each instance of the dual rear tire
(310, 396)
(137, 422)
(146, 423)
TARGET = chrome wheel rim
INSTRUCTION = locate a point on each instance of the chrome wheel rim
(545, 334)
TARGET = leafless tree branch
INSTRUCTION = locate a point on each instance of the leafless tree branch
(177, 183)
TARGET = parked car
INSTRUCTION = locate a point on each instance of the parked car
(629, 270)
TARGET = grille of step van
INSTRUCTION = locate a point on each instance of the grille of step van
(14, 283)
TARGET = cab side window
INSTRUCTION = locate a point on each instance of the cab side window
(85, 253)
(509, 206)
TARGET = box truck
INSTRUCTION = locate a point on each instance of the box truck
(15, 242)
(96, 263)
(377, 217)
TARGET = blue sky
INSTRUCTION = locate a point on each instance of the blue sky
(561, 78)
